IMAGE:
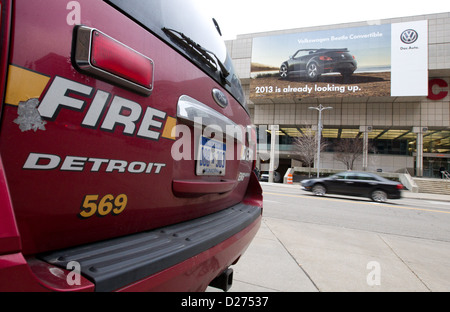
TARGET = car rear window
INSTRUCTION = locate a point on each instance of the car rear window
(185, 17)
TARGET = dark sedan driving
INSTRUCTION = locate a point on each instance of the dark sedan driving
(363, 184)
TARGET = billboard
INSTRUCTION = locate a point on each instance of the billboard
(360, 61)
(409, 58)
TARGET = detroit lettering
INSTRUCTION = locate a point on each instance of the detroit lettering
(36, 161)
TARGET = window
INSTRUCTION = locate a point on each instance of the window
(340, 176)
(363, 176)
(185, 17)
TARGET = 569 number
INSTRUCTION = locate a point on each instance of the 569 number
(108, 204)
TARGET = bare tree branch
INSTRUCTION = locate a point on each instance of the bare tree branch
(348, 151)
(305, 148)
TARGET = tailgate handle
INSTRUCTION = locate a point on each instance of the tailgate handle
(192, 188)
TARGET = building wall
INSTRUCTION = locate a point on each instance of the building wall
(378, 112)
(423, 113)
(385, 163)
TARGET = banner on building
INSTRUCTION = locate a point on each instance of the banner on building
(409, 58)
(341, 62)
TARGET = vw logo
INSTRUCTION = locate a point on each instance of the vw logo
(409, 36)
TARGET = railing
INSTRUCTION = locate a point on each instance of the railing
(446, 177)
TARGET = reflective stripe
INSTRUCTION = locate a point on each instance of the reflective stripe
(24, 84)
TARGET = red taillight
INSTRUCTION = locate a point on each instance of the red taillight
(399, 186)
(101, 56)
(118, 59)
(325, 58)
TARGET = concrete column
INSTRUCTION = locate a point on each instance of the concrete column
(273, 147)
(365, 130)
(419, 149)
(419, 154)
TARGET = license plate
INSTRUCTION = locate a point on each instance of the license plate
(211, 157)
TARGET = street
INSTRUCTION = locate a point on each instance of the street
(406, 217)
(336, 243)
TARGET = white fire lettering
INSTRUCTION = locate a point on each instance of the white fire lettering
(118, 111)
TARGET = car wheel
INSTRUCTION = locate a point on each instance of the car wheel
(319, 190)
(283, 71)
(379, 196)
(313, 72)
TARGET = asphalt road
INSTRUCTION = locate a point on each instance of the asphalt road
(340, 244)
(426, 219)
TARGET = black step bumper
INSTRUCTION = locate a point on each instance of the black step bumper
(119, 262)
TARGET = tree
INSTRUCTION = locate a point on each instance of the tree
(348, 151)
(305, 147)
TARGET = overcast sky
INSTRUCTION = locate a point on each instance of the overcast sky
(238, 17)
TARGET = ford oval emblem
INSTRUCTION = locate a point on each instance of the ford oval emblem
(220, 98)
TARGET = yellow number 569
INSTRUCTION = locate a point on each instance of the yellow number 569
(108, 204)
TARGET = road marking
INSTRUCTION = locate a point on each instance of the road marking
(372, 203)
(272, 201)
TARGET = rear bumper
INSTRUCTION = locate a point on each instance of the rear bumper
(396, 195)
(181, 257)
(333, 67)
(196, 273)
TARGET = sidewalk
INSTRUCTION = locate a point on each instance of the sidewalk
(289, 256)
(426, 196)
(286, 256)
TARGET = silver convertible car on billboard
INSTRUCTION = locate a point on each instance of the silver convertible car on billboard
(312, 63)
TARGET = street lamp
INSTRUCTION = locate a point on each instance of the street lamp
(319, 108)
